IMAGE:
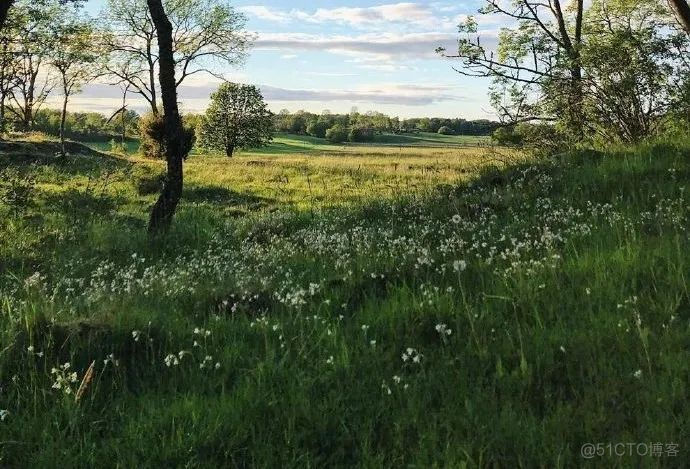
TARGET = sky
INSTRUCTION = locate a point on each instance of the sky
(340, 54)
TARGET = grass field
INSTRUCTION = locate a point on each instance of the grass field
(340, 306)
(300, 144)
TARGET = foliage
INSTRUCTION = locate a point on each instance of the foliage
(361, 134)
(237, 117)
(445, 130)
(17, 189)
(498, 323)
(316, 124)
(317, 128)
(337, 134)
(151, 131)
(602, 70)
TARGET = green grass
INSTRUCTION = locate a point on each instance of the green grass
(290, 144)
(564, 284)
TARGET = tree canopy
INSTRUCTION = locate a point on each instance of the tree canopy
(237, 117)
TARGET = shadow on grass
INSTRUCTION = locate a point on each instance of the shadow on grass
(79, 160)
(222, 196)
(77, 203)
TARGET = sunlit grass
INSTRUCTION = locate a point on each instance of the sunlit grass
(371, 307)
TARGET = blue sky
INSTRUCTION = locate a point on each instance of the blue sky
(336, 54)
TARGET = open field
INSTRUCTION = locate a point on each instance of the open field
(346, 306)
(290, 144)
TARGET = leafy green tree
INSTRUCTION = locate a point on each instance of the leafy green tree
(237, 117)
(337, 134)
(445, 130)
(361, 134)
(317, 128)
(631, 68)
(536, 69)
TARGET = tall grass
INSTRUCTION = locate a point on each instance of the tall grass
(502, 320)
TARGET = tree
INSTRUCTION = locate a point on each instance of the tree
(237, 117)
(681, 9)
(172, 139)
(337, 134)
(606, 69)
(31, 35)
(204, 31)
(540, 57)
(74, 56)
(360, 134)
(631, 69)
(317, 128)
(4, 10)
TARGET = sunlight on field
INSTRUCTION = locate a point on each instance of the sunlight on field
(341, 175)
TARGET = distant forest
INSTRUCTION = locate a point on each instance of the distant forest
(97, 126)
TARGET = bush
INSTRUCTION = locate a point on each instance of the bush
(361, 134)
(317, 129)
(152, 131)
(337, 134)
(507, 136)
(445, 130)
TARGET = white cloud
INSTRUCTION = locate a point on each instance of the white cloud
(413, 15)
(386, 46)
(267, 14)
(399, 94)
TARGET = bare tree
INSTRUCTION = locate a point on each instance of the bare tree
(164, 208)
(204, 31)
(74, 55)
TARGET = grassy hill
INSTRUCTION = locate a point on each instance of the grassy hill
(479, 316)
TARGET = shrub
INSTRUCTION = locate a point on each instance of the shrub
(152, 131)
(361, 134)
(445, 130)
(337, 134)
(507, 136)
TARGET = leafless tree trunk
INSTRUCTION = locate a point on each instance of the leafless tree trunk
(682, 11)
(164, 208)
(5, 6)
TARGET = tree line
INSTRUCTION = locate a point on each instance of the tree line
(358, 127)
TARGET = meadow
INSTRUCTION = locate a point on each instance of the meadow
(335, 306)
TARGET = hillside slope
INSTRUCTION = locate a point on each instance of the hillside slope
(502, 323)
